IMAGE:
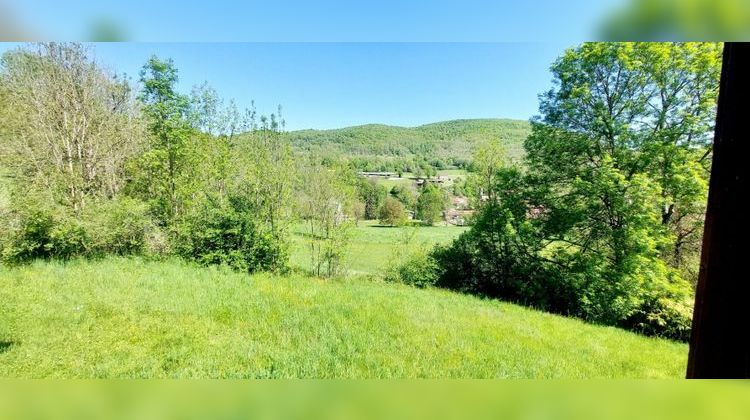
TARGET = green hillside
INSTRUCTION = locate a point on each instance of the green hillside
(443, 144)
(126, 318)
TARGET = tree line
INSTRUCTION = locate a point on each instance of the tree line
(95, 164)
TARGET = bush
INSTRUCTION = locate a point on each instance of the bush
(392, 212)
(500, 257)
(38, 231)
(41, 234)
(120, 226)
(419, 269)
(225, 234)
(665, 310)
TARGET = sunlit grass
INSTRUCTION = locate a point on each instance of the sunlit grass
(373, 247)
(123, 317)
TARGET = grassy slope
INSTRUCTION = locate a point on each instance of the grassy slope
(444, 139)
(372, 246)
(130, 318)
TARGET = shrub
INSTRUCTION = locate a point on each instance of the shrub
(392, 212)
(500, 257)
(39, 233)
(665, 310)
(420, 269)
(119, 226)
(224, 233)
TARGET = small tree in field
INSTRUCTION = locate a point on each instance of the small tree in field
(392, 212)
(489, 157)
(326, 195)
(358, 211)
(430, 204)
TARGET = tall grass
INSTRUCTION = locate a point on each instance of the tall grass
(126, 318)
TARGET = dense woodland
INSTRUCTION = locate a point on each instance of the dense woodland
(440, 145)
(597, 215)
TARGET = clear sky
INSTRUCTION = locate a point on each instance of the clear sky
(330, 85)
(315, 20)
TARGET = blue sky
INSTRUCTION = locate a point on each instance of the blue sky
(329, 85)
(317, 20)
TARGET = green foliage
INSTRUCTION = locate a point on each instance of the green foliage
(158, 173)
(498, 256)
(224, 232)
(430, 204)
(435, 146)
(615, 187)
(40, 231)
(327, 194)
(489, 157)
(81, 142)
(121, 226)
(40, 235)
(67, 126)
(420, 269)
(404, 194)
(373, 195)
(392, 212)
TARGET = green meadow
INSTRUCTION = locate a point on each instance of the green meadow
(132, 318)
(373, 246)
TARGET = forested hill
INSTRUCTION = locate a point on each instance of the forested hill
(383, 147)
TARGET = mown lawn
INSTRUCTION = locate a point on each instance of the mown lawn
(127, 318)
(373, 247)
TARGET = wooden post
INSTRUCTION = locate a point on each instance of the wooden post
(720, 341)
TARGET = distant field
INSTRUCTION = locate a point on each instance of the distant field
(406, 177)
(128, 318)
(453, 172)
(373, 247)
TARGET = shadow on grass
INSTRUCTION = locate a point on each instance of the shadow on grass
(408, 225)
(5, 346)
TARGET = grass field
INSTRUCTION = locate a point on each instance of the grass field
(373, 246)
(407, 177)
(128, 318)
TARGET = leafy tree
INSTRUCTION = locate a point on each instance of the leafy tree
(373, 195)
(419, 269)
(430, 204)
(614, 189)
(392, 212)
(67, 126)
(67, 129)
(357, 211)
(488, 158)
(167, 163)
(327, 192)
(222, 230)
(632, 113)
(242, 189)
(404, 194)
(266, 173)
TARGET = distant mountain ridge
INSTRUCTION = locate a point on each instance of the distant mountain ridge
(386, 147)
